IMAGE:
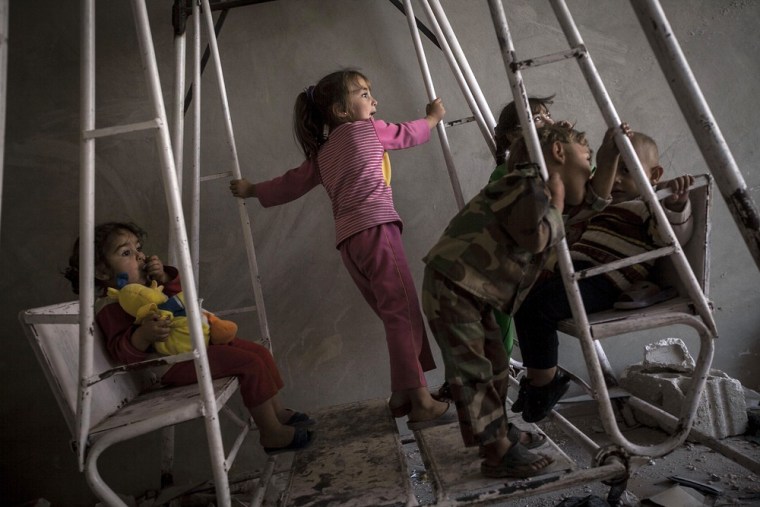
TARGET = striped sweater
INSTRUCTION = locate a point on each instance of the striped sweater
(624, 230)
(355, 172)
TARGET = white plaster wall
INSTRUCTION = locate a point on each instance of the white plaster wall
(327, 342)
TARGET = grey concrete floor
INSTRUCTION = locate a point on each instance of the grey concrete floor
(649, 477)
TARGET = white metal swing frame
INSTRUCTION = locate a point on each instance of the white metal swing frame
(666, 48)
(105, 403)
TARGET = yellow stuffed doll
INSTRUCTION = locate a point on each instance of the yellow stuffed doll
(141, 300)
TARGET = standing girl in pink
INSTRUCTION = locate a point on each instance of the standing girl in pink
(345, 148)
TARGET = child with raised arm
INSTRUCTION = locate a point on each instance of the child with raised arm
(622, 230)
(119, 256)
(488, 258)
(345, 149)
(508, 129)
(506, 132)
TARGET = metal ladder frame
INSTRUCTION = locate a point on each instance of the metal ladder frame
(597, 363)
(201, 12)
(593, 354)
(172, 190)
(173, 160)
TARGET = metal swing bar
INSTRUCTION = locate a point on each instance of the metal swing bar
(592, 349)
(703, 127)
(86, 226)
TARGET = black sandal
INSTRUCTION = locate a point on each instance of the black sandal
(517, 462)
(539, 401)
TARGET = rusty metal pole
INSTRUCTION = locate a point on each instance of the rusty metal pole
(701, 121)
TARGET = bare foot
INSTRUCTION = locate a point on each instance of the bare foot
(284, 415)
(516, 462)
(280, 438)
(428, 411)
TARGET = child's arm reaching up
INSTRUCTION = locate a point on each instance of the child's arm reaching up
(242, 188)
(678, 207)
(607, 159)
(680, 187)
(435, 113)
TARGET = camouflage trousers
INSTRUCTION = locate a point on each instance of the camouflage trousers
(477, 366)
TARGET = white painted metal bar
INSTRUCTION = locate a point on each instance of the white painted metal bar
(178, 124)
(261, 486)
(217, 176)
(597, 364)
(86, 225)
(628, 261)
(245, 426)
(593, 354)
(700, 119)
(120, 129)
(484, 120)
(195, 188)
(485, 128)
(592, 351)
(516, 84)
(247, 232)
(178, 228)
(629, 155)
(443, 21)
(428, 79)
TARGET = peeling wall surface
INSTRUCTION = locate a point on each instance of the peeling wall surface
(327, 342)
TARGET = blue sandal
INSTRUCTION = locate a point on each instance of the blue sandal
(300, 420)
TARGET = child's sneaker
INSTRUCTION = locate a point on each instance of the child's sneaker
(519, 403)
(540, 400)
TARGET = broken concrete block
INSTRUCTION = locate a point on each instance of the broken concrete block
(663, 378)
(669, 353)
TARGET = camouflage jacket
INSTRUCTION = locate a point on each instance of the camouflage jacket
(488, 247)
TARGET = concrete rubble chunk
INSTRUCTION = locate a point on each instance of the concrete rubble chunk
(663, 379)
(668, 353)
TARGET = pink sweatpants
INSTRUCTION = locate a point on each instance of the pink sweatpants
(250, 362)
(376, 261)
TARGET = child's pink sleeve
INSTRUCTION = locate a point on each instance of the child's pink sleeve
(397, 136)
(290, 186)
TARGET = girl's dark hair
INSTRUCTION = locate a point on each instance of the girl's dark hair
(547, 135)
(314, 113)
(103, 233)
(509, 120)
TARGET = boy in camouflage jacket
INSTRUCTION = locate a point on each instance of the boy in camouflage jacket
(488, 258)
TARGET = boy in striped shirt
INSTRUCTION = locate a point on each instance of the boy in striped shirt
(623, 229)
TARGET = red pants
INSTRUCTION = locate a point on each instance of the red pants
(251, 363)
(376, 261)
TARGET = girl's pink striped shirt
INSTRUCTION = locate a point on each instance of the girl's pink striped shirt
(350, 167)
